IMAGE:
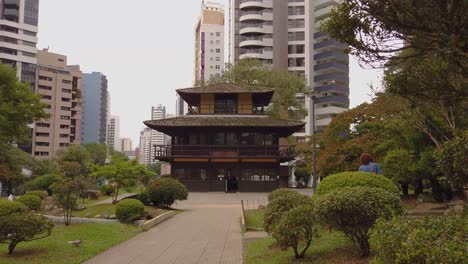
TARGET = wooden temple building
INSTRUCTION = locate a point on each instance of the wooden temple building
(226, 142)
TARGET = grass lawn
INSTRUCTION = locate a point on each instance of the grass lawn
(55, 249)
(254, 218)
(88, 201)
(330, 248)
(108, 209)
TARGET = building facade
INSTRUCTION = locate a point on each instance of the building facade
(60, 87)
(115, 142)
(227, 142)
(144, 154)
(286, 35)
(209, 43)
(127, 145)
(158, 112)
(95, 116)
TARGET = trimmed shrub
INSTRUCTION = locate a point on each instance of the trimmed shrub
(129, 210)
(45, 182)
(297, 228)
(22, 227)
(33, 202)
(279, 192)
(106, 189)
(144, 198)
(354, 210)
(431, 240)
(40, 194)
(9, 207)
(280, 205)
(164, 191)
(354, 179)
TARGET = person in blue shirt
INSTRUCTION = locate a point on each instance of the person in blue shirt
(368, 164)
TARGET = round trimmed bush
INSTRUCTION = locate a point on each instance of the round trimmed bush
(40, 194)
(106, 189)
(129, 210)
(33, 202)
(144, 197)
(164, 191)
(280, 205)
(279, 192)
(9, 207)
(354, 179)
(420, 240)
(46, 181)
(354, 210)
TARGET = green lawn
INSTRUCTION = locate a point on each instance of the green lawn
(254, 218)
(330, 248)
(55, 249)
(109, 209)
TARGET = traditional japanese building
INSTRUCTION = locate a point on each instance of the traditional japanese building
(226, 142)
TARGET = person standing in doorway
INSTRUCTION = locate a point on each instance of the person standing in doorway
(368, 164)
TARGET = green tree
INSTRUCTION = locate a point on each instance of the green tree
(98, 153)
(398, 164)
(287, 85)
(76, 154)
(44, 167)
(19, 106)
(12, 161)
(120, 173)
(451, 158)
(66, 195)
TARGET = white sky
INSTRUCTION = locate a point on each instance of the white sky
(145, 47)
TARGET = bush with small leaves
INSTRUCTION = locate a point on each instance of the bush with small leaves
(279, 192)
(9, 207)
(33, 202)
(45, 182)
(106, 189)
(354, 179)
(280, 205)
(354, 210)
(296, 229)
(431, 240)
(165, 191)
(40, 194)
(20, 225)
(144, 198)
(129, 210)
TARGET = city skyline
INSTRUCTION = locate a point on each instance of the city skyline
(151, 82)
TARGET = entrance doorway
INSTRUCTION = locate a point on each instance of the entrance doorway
(231, 180)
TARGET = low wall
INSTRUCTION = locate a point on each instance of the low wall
(147, 225)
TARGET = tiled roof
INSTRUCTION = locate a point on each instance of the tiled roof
(225, 88)
(223, 121)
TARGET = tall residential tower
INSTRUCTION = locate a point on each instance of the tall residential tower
(209, 42)
(286, 35)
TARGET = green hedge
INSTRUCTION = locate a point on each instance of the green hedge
(431, 240)
(354, 210)
(9, 207)
(354, 179)
(40, 194)
(165, 191)
(129, 210)
(279, 192)
(33, 202)
(106, 189)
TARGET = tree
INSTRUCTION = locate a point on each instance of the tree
(20, 225)
(398, 165)
(451, 158)
(19, 107)
(296, 229)
(77, 154)
(98, 153)
(120, 173)
(287, 86)
(66, 195)
(12, 163)
(44, 167)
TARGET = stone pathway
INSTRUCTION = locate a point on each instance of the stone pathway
(208, 231)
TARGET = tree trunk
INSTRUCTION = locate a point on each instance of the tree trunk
(296, 253)
(365, 247)
(11, 247)
(404, 188)
(419, 188)
(116, 195)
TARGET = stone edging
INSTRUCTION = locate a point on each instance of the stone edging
(243, 226)
(77, 220)
(147, 225)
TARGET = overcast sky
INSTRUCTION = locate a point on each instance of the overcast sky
(145, 47)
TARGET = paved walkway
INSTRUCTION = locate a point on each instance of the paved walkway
(208, 231)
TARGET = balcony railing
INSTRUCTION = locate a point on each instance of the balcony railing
(246, 109)
(169, 152)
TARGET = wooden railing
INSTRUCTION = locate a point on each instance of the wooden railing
(213, 151)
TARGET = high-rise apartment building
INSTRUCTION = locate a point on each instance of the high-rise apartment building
(18, 37)
(95, 116)
(126, 145)
(115, 142)
(144, 154)
(157, 138)
(59, 86)
(286, 35)
(209, 42)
